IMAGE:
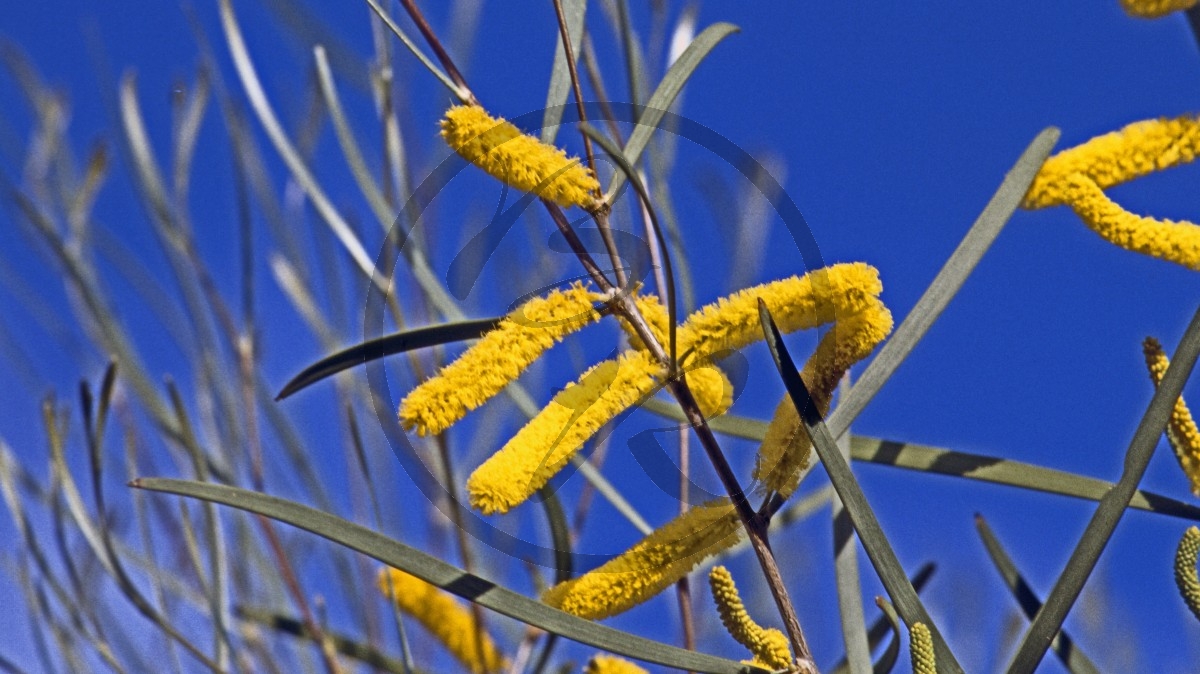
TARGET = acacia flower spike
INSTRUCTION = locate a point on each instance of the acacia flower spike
(1153, 9)
(497, 359)
(920, 647)
(1133, 151)
(799, 303)
(444, 618)
(1185, 569)
(517, 159)
(548, 441)
(786, 449)
(1177, 242)
(1182, 433)
(768, 646)
(609, 664)
(653, 564)
(544, 445)
(843, 292)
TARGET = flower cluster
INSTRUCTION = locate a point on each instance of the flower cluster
(768, 646)
(1153, 9)
(1078, 177)
(920, 648)
(517, 159)
(652, 565)
(451, 624)
(608, 664)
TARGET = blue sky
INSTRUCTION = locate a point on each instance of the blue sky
(890, 127)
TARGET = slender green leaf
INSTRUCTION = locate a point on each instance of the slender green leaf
(888, 624)
(879, 550)
(1002, 471)
(849, 588)
(927, 459)
(947, 282)
(887, 661)
(1104, 521)
(560, 76)
(449, 578)
(680, 72)
(380, 347)
(1063, 646)
(416, 51)
(343, 644)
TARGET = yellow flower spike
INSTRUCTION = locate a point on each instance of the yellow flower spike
(1185, 569)
(769, 646)
(545, 444)
(517, 159)
(1135, 150)
(786, 449)
(711, 389)
(920, 646)
(797, 303)
(1177, 242)
(653, 564)
(1153, 9)
(497, 359)
(608, 664)
(444, 618)
(1182, 433)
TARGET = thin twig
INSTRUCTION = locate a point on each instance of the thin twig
(600, 217)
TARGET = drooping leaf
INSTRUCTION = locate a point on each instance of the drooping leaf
(449, 578)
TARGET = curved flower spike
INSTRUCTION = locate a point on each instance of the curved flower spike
(544, 445)
(1153, 9)
(920, 646)
(1177, 242)
(786, 449)
(516, 159)
(1182, 433)
(1185, 569)
(497, 359)
(444, 618)
(1135, 150)
(797, 303)
(651, 565)
(769, 646)
(608, 664)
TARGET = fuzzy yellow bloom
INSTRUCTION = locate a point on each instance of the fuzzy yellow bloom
(1182, 433)
(1177, 242)
(650, 566)
(920, 647)
(1114, 158)
(1153, 9)
(608, 664)
(797, 303)
(768, 646)
(786, 449)
(517, 159)
(545, 444)
(444, 618)
(1185, 569)
(497, 359)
